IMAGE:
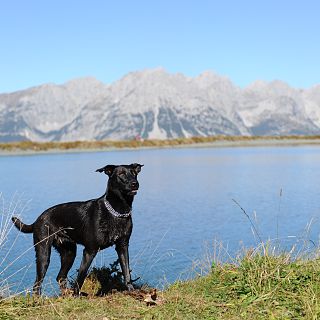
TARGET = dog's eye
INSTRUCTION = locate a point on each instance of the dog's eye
(122, 176)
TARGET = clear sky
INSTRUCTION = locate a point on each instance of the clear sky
(55, 41)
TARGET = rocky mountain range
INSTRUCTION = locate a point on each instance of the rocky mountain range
(156, 104)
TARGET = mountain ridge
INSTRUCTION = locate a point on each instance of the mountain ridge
(153, 103)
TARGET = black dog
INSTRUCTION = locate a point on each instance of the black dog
(96, 224)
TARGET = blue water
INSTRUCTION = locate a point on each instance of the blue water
(184, 205)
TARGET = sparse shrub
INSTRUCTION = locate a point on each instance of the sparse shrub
(104, 280)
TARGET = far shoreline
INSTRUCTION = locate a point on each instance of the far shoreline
(37, 148)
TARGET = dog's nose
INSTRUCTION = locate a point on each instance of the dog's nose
(134, 185)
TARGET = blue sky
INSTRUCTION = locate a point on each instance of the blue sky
(55, 41)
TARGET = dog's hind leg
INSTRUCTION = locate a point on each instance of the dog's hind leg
(43, 252)
(87, 259)
(67, 251)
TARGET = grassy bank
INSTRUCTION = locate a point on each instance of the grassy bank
(105, 144)
(258, 286)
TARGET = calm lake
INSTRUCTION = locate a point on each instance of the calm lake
(184, 205)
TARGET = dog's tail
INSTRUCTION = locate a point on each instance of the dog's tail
(25, 228)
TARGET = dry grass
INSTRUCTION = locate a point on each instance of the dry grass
(260, 284)
(105, 144)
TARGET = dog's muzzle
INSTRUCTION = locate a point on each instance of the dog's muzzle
(134, 188)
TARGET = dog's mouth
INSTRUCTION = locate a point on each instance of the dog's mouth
(133, 192)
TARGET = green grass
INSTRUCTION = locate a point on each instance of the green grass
(259, 285)
(87, 145)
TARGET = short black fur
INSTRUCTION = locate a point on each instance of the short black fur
(88, 223)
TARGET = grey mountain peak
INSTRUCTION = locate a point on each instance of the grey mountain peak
(154, 103)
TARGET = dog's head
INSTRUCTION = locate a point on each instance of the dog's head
(123, 178)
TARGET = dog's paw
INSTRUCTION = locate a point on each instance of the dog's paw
(130, 287)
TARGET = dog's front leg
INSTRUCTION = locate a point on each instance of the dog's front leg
(123, 254)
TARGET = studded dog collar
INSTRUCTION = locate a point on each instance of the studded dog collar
(114, 212)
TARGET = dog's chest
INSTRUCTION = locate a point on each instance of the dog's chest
(112, 231)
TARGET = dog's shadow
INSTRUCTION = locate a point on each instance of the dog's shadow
(103, 280)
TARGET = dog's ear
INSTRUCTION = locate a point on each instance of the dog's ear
(108, 169)
(136, 167)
